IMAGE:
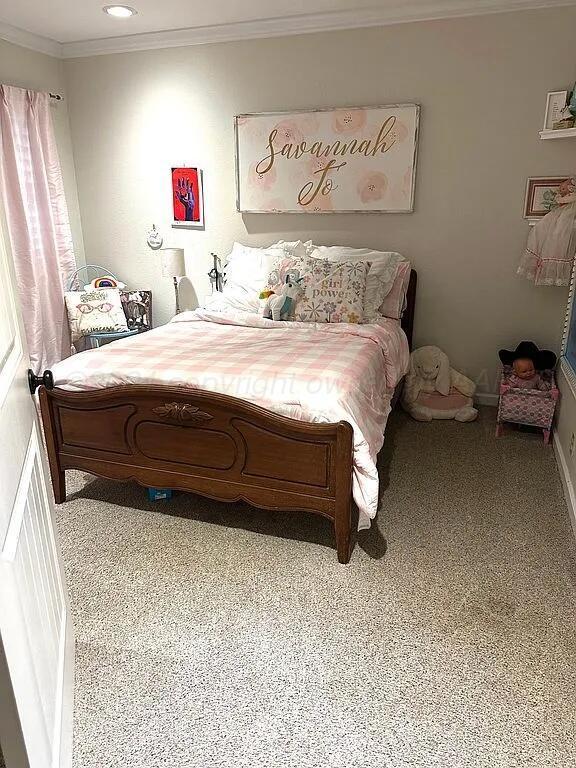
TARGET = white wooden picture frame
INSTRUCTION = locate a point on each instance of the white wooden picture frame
(356, 159)
(555, 104)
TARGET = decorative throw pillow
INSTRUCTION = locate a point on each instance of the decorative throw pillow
(381, 274)
(332, 292)
(98, 311)
(281, 268)
(395, 302)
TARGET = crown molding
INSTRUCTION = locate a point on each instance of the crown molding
(396, 12)
(29, 40)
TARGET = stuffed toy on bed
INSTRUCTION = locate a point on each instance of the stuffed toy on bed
(434, 390)
(281, 306)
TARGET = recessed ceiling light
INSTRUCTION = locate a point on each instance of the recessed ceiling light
(119, 11)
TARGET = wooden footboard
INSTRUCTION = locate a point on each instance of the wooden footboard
(214, 445)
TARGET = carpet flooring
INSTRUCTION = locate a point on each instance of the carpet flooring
(218, 635)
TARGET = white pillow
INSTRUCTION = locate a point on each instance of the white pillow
(220, 302)
(381, 275)
(295, 247)
(96, 311)
(248, 268)
(395, 302)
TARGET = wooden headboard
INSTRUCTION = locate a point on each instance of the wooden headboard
(407, 321)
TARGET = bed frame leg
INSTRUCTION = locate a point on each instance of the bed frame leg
(343, 531)
(57, 474)
(343, 517)
(59, 486)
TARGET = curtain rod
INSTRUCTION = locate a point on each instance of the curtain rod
(55, 96)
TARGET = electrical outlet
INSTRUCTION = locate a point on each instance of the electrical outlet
(572, 444)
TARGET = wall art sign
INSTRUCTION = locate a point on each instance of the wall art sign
(187, 197)
(360, 159)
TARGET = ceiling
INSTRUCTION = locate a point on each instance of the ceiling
(79, 27)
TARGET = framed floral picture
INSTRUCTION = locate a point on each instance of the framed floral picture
(541, 195)
(356, 159)
(187, 198)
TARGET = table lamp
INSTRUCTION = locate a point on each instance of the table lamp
(173, 266)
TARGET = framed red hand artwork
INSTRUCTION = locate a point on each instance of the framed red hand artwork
(187, 197)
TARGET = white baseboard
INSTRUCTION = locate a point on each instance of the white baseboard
(567, 485)
(486, 398)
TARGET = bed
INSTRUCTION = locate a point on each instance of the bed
(109, 415)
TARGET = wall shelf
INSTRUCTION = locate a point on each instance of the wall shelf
(564, 133)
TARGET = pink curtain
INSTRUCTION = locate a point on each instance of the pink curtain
(37, 219)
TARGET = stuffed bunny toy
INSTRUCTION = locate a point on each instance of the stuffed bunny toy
(434, 390)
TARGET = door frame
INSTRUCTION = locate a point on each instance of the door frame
(12, 738)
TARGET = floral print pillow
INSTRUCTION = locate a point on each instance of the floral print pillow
(332, 293)
(284, 266)
(381, 274)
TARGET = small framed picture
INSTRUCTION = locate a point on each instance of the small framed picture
(187, 198)
(541, 194)
(555, 105)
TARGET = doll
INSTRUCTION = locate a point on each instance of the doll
(528, 362)
(524, 375)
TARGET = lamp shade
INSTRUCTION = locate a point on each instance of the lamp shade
(172, 262)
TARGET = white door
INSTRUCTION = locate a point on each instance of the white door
(36, 641)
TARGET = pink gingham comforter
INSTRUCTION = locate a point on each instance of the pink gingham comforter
(309, 371)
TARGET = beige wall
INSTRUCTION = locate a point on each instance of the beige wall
(28, 69)
(482, 84)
